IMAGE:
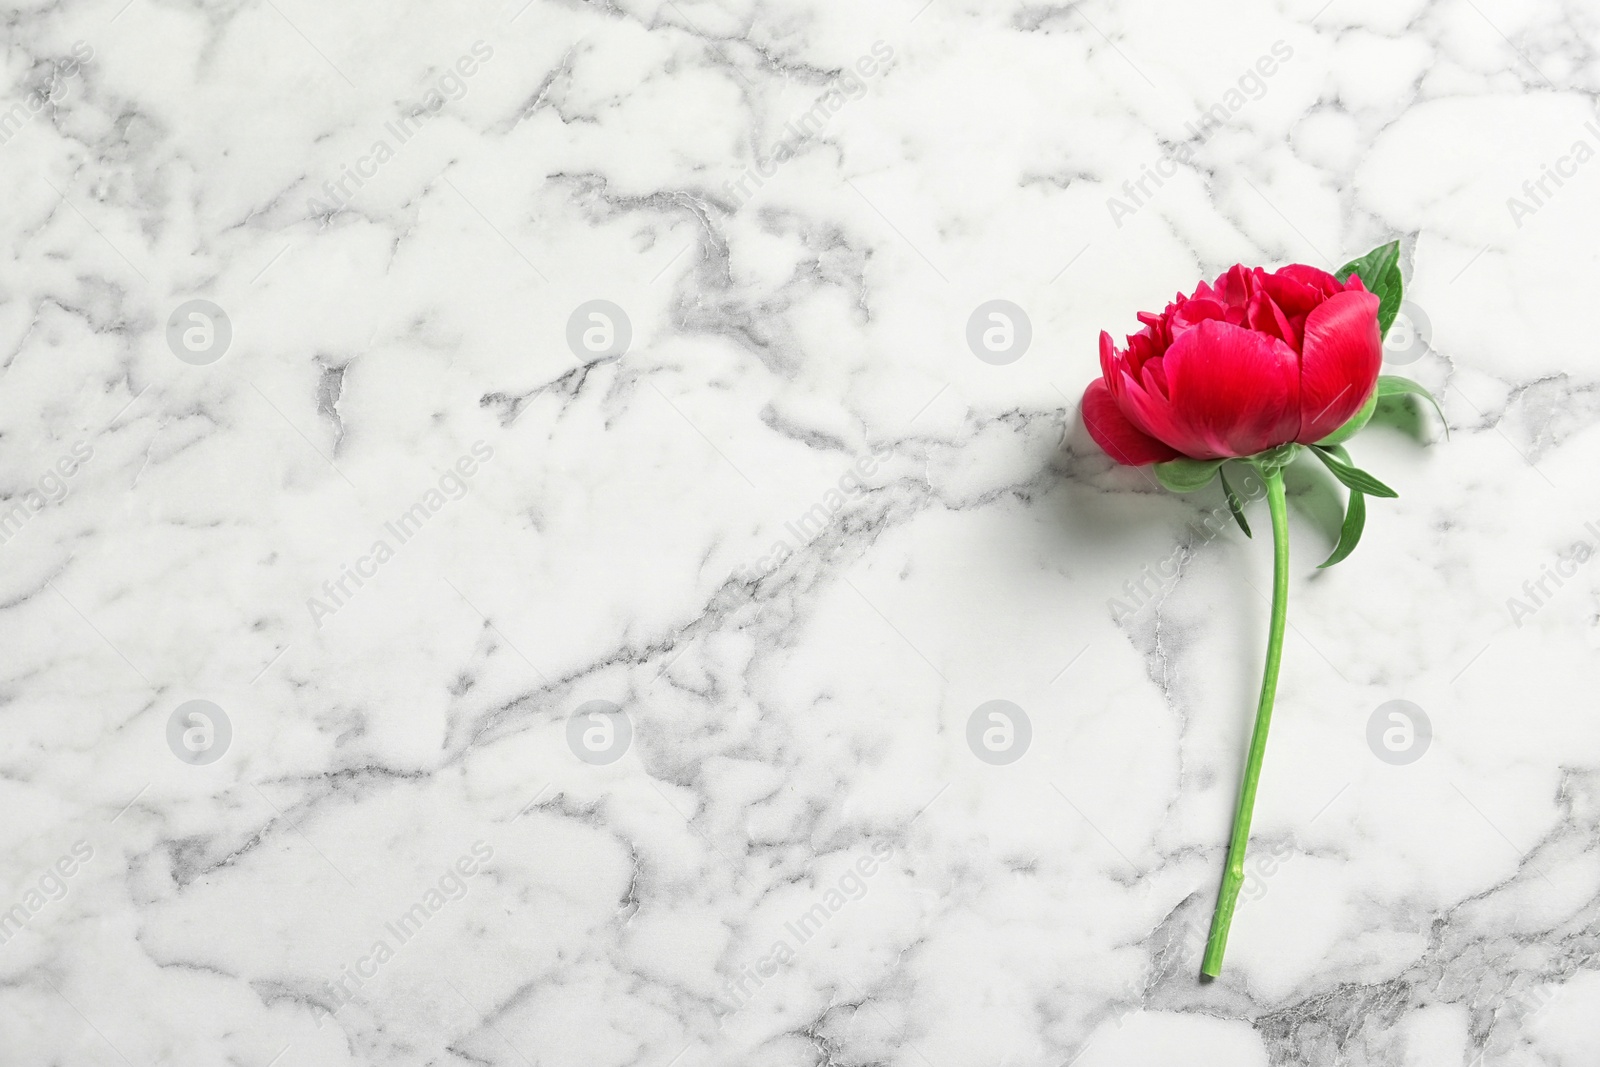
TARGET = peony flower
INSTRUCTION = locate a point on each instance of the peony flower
(1247, 363)
(1259, 367)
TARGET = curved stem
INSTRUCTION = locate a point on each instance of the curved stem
(1233, 877)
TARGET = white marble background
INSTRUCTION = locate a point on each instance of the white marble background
(797, 716)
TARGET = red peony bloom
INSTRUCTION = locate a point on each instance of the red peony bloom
(1252, 361)
(1265, 368)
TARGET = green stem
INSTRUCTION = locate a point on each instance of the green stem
(1233, 877)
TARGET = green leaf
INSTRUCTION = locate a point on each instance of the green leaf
(1353, 477)
(1355, 519)
(1395, 385)
(1235, 505)
(1354, 424)
(1379, 270)
(1187, 475)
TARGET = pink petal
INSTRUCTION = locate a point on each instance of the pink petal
(1266, 317)
(1108, 357)
(1295, 298)
(1339, 362)
(1186, 315)
(1233, 393)
(1234, 286)
(1310, 277)
(1154, 376)
(1111, 430)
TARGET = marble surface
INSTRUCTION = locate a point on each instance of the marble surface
(410, 660)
